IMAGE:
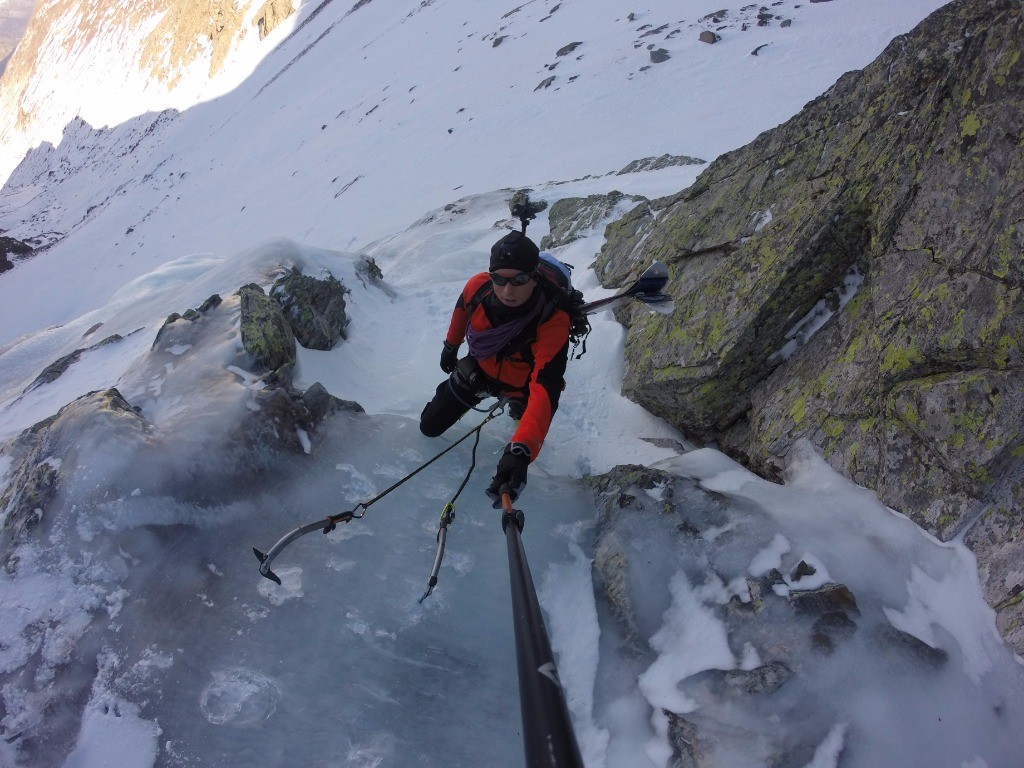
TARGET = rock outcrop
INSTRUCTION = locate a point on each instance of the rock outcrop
(313, 308)
(271, 15)
(854, 277)
(264, 418)
(9, 247)
(574, 217)
(266, 335)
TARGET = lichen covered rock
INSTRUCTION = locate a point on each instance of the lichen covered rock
(266, 335)
(853, 277)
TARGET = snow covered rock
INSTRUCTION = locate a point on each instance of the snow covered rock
(751, 644)
(59, 442)
(574, 217)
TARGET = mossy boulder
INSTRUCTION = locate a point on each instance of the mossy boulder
(900, 190)
(266, 335)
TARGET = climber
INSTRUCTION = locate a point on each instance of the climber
(518, 347)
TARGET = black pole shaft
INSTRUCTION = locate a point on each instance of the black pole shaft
(548, 736)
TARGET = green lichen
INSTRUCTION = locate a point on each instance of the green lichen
(970, 126)
(978, 473)
(911, 417)
(1004, 67)
(798, 411)
(855, 345)
(896, 359)
(834, 427)
(956, 334)
(1009, 602)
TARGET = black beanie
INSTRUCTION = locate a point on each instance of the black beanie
(515, 251)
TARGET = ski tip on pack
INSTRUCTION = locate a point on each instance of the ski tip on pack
(662, 303)
(653, 280)
(265, 567)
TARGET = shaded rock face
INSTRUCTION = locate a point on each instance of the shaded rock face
(854, 277)
(313, 308)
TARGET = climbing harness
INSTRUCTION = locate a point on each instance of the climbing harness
(329, 523)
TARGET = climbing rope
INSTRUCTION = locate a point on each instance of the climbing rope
(329, 523)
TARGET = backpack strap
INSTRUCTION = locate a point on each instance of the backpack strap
(477, 299)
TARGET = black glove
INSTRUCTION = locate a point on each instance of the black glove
(449, 357)
(511, 474)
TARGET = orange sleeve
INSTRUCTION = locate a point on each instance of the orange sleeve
(550, 352)
(460, 315)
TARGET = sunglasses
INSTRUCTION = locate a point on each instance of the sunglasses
(517, 280)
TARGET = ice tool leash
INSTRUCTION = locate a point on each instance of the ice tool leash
(329, 523)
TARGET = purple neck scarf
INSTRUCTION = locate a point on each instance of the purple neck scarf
(484, 344)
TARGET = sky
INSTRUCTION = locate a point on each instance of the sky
(137, 631)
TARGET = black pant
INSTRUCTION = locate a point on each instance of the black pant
(449, 404)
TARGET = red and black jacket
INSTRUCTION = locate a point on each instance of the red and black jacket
(531, 367)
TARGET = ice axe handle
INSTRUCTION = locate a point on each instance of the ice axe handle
(509, 514)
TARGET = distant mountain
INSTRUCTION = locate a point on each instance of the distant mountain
(14, 18)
